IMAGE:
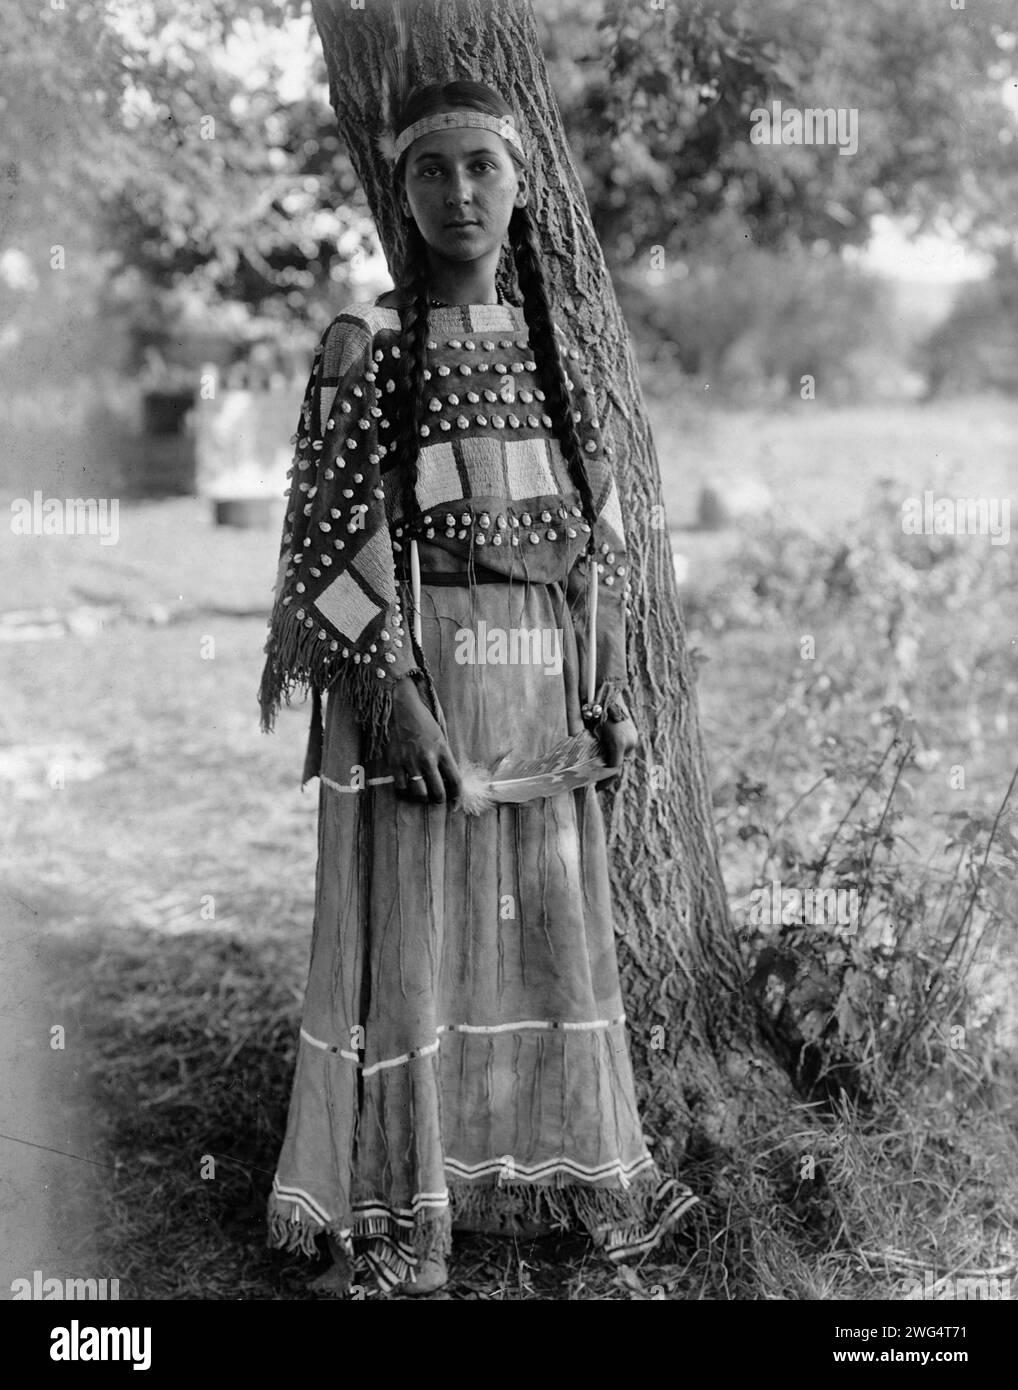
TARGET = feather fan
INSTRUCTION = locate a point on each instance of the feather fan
(573, 762)
(395, 81)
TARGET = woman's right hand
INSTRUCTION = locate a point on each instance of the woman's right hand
(419, 756)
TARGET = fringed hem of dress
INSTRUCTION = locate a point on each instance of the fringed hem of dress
(626, 1223)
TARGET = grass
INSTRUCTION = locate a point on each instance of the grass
(819, 465)
(193, 1058)
(171, 875)
(197, 1061)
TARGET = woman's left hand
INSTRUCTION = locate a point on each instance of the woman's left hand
(617, 742)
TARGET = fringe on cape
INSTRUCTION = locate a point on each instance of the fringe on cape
(297, 660)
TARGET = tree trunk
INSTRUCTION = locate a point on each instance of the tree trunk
(696, 1050)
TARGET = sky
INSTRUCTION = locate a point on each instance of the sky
(936, 260)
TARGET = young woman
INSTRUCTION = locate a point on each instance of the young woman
(463, 1057)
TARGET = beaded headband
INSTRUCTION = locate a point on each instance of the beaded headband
(451, 120)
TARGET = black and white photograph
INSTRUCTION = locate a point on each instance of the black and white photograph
(509, 706)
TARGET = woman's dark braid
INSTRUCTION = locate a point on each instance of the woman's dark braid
(537, 310)
(414, 351)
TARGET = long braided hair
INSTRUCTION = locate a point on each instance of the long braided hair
(415, 290)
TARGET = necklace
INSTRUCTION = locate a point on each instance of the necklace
(442, 304)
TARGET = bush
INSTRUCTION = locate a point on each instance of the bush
(754, 324)
(976, 348)
(855, 732)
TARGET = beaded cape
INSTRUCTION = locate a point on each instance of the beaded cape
(492, 485)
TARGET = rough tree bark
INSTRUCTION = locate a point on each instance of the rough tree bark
(699, 1060)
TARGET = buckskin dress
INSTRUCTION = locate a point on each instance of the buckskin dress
(463, 1044)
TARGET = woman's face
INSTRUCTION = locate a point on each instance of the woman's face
(464, 176)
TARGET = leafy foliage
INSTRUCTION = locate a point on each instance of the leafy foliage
(898, 993)
(750, 326)
(976, 347)
(190, 170)
(665, 137)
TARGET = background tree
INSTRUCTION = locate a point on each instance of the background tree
(662, 122)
